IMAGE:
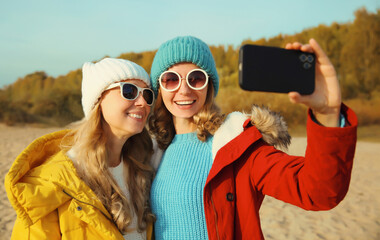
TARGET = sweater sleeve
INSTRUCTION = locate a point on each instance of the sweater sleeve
(318, 181)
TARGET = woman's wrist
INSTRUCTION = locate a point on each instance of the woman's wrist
(331, 119)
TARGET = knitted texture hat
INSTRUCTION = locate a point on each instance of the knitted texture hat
(97, 77)
(183, 49)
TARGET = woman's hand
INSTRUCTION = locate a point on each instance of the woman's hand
(326, 100)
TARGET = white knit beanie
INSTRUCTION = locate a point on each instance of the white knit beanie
(97, 77)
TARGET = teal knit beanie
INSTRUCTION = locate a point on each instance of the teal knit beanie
(183, 49)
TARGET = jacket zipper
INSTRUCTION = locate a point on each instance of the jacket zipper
(105, 215)
(215, 216)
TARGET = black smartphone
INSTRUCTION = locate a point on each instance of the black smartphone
(273, 69)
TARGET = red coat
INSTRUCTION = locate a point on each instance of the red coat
(247, 168)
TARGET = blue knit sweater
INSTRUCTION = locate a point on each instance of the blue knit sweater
(177, 190)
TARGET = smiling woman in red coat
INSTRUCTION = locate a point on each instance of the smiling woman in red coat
(216, 170)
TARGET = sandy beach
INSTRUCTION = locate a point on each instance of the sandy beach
(356, 217)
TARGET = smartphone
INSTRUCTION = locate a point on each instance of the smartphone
(273, 69)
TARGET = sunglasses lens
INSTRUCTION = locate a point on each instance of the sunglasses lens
(148, 96)
(169, 81)
(130, 91)
(197, 79)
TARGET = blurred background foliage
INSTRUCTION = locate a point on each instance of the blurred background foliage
(354, 49)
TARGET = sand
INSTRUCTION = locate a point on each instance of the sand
(356, 217)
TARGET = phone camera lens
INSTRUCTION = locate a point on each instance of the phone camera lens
(303, 57)
(306, 65)
(310, 58)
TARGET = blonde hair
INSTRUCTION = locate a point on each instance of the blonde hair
(89, 144)
(207, 120)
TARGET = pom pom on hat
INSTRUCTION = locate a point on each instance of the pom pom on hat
(183, 49)
(97, 77)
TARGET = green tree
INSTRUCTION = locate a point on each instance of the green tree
(360, 58)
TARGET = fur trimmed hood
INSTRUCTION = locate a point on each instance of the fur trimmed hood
(270, 124)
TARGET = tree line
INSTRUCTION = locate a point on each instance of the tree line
(354, 49)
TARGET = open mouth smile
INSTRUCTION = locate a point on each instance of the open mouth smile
(184, 103)
(134, 115)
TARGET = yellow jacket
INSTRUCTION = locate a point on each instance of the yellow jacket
(51, 201)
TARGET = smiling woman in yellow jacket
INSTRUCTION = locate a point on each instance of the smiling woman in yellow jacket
(91, 182)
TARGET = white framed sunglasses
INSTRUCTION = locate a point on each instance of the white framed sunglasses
(130, 91)
(196, 79)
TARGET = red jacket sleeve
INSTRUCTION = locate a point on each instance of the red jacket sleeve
(318, 181)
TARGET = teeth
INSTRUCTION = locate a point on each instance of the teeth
(135, 115)
(184, 102)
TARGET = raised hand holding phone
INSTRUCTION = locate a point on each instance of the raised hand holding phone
(325, 101)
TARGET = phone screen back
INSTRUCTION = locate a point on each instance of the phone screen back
(272, 69)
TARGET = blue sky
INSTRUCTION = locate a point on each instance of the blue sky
(59, 36)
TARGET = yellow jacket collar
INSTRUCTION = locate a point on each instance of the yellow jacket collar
(42, 178)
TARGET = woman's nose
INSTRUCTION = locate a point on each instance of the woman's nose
(184, 88)
(140, 100)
